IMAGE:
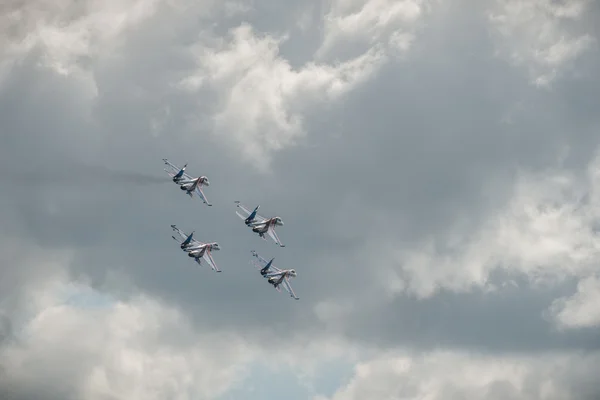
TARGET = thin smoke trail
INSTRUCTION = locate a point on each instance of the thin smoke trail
(78, 175)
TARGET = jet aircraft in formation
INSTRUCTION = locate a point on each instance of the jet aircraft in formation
(197, 249)
(274, 275)
(186, 182)
(261, 225)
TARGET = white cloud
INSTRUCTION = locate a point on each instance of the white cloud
(260, 97)
(580, 310)
(454, 375)
(546, 232)
(26, 268)
(143, 349)
(69, 32)
(138, 349)
(65, 339)
(75, 342)
(389, 23)
(536, 34)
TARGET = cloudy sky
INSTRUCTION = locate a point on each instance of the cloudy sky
(436, 164)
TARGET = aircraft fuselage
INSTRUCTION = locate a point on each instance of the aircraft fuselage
(276, 281)
(198, 252)
(278, 277)
(264, 226)
(261, 229)
(191, 185)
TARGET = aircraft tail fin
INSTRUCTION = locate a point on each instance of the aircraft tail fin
(252, 215)
(264, 270)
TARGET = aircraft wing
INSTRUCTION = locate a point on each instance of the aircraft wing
(200, 193)
(262, 260)
(208, 258)
(173, 169)
(273, 270)
(186, 178)
(194, 245)
(183, 236)
(171, 165)
(179, 232)
(274, 236)
(257, 265)
(257, 217)
(288, 287)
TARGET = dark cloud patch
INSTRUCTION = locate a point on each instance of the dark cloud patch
(6, 331)
(488, 322)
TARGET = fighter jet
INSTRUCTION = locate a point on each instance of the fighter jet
(259, 224)
(186, 182)
(274, 275)
(196, 249)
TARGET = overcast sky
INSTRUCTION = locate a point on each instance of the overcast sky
(435, 162)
